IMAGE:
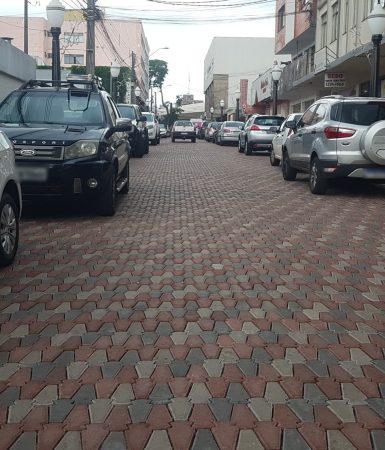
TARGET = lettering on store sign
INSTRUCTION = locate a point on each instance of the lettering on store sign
(334, 80)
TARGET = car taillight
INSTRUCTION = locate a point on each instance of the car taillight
(226, 130)
(338, 133)
(255, 128)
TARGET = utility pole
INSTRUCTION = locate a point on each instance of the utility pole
(90, 52)
(26, 27)
(132, 93)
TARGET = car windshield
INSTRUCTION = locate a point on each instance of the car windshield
(216, 125)
(127, 111)
(161, 126)
(150, 117)
(233, 124)
(183, 123)
(269, 121)
(50, 107)
(359, 113)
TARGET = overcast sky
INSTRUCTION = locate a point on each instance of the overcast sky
(187, 29)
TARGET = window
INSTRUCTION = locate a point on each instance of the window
(307, 118)
(73, 59)
(334, 21)
(73, 38)
(355, 13)
(307, 104)
(296, 108)
(324, 29)
(281, 18)
(319, 114)
(347, 12)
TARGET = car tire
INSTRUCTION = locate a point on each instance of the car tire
(220, 142)
(317, 182)
(146, 145)
(273, 160)
(173, 139)
(107, 200)
(288, 173)
(9, 230)
(158, 140)
(193, 140)
(248, 149)
(126, 174)
(240, 148)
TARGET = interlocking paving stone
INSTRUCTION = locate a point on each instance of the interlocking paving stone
(378, 439)
(337, 441)
(114, 441)
(180, 408)
(293, 440)
(204, 439)
(26, 440)
(139, 410)
(161, 394)
(302, 409)
(221, 408)
(9, 395)
(237, 394)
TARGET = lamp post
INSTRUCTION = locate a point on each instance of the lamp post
(376, 22)
(222, 104)
(237, 93)
(212, 112)
(55, 18)
(114, 73)
(137, 94)
(276, 73)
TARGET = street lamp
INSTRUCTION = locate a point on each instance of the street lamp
(376, 22)
(137, 94)
(114, 73)
(237, 93)
(160, 48)
(212, 112)
(222, 104)
(276, 73)
(55, 18)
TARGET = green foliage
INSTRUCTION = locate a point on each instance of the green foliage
(158, 70)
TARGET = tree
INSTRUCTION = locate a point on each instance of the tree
(158, 70)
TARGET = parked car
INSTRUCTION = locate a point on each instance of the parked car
(229, 132)
(152, 128)
(197, 123)
(163, 130)
(337, 137)
(139, 135)
(183, 129)
(69, 140)
(280, 138)
(258, 133)
(10, 202)
(202, 130)
(211, 130)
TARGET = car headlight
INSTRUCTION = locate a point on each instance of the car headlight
(81, 149)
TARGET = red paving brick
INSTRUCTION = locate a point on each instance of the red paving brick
(166, 292)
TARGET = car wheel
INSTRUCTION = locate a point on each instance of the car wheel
(240, 148)
(248, 149)
(193, 140)
(9, 230)
(288, 172)
(126, 174)
(173, 139)
(273, 160)
(107, 201)
(317, 182)
(220, 141)
(146, 145)
(158, 140)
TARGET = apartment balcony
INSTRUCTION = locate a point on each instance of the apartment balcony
(294, 72)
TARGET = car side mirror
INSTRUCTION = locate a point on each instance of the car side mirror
(292, 124)
(122, 124)
(142, 119)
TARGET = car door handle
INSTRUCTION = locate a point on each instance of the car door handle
(314, 131)
(299, 134)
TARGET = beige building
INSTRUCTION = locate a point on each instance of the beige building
(120, 42)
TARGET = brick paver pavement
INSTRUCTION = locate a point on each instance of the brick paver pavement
(221, 308)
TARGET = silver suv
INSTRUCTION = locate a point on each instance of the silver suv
(337, 137)
(10, 202)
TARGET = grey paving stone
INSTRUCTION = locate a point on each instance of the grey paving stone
(242, 306)
(231, 313)
(327, 357)
(302, 409)
(293, 440)
(179, 368)
(107, 329)
(378, 405)
(285, 313)
(337, 328)
(164, 329)
(72, 315)
(278, 328)
(294, 306)
(140, 306)
(161, 394)
(209, 337)
(139, 410)
(260, 355)
(28, 341)
(381, 386)
(248, 367)
(9, 395)
(40, 371)
(114, 441)
(221, 328)
(85, 395)
(111, 368)
(25, 441)
(314, 394)
(318, 367)
(49, 331)
(196, 356)
(125, 313)
(268, 336)
(65, 359)
(60, 410)
(130, 358)
(149, 337)
(178, 312)
(4, 356)
(380, 364)
(90, 338)
(191, 306)
(204, 439)
(236, 393)
(221, 408)
(329, 336)
(378, 439)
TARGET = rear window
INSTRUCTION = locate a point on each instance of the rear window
(150, 117)
(127, 111)
(233, 124)
(358, 113)
(216, 125)
(183, 123)
(269, 121)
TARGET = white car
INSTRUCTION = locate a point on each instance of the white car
(280, 138)
(10, 202)
(152, 128)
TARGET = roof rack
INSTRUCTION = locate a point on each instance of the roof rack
(333, 96)
(74, 81)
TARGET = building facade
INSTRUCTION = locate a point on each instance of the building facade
(117, 42)
(230, 66)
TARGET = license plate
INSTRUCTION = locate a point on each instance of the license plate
(183, 133)
(32, 173)
(374, 173)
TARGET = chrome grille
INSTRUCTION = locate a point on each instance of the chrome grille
(41, 153)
